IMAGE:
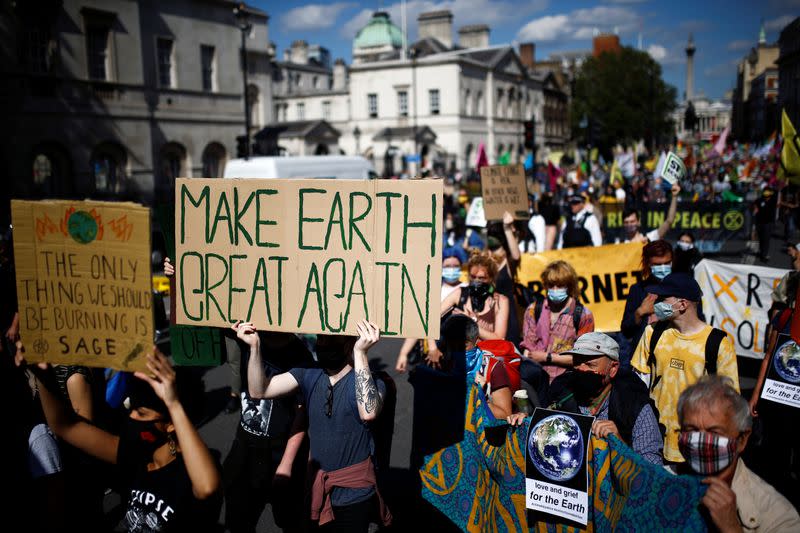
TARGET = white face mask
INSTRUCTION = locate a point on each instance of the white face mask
(685, 246)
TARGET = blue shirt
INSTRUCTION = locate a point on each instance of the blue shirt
(341, 439)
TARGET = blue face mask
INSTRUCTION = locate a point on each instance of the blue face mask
(451, 274)
(557, 296)
(663, 310)
(661, 271)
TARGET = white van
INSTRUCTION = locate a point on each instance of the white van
(318, 166)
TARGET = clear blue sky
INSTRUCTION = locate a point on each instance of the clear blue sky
(724, 30)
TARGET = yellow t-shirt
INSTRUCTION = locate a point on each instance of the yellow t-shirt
(680, 361)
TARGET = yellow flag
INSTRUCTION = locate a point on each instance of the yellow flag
(593, 154)
(790, 153)
(616, 173)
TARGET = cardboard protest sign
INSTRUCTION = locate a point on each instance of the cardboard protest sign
(83, 282)
(671, 168)
(782, 384)
(476, 217)
(504, 189)
(736, 299)
(189, 345)
(605, 275)
(309, 256)
(556, 453)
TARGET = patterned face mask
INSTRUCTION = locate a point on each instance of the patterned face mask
(707, 453)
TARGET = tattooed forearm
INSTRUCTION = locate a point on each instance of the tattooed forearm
(366, 392)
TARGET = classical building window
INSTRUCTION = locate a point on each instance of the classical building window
(433, 101)
(108, 167)
(479, 103)
(467, 102)
(326, 110)
(402, 103)
(301, 111)
(97, 52)
(372, 105)
(315, 82)
(173, 161)
(42, 170)
(38, 50)
(164, 52)
(213, 160)
(207, 59)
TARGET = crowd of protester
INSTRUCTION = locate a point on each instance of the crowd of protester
(309, 439)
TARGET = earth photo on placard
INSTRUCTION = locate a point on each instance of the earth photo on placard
(787, 362)
(556, 447)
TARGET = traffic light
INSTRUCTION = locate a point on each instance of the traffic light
(530, 134)
(241, 146)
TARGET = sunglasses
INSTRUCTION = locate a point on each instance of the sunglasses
(329, 402)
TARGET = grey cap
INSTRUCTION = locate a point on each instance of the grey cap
(594, 344)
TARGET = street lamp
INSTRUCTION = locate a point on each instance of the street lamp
(357, 136)
(245, 27)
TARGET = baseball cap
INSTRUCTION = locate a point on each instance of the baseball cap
(595, 344)
(679, 285)
(576, 199)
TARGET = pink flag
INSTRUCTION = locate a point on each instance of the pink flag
(720, 146)
(553, 174)
(482, 160)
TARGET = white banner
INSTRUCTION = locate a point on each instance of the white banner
(736, 299)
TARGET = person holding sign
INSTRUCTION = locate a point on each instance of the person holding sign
(172, 476)
(616, 397)
(342, 398)
(715, 425)
(631, 224)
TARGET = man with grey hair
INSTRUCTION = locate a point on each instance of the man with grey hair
(715, 425)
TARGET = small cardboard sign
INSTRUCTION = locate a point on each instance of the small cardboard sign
(309, 255)
(782, 384)
(504, 189)
(671, 168)
(557, 480)
(475, 216)
(84, 286)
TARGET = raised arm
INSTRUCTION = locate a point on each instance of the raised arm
(511, 238)
(368, 398)
(200, 466)
(260, 385)
(80, 396)
(67, 425)
(671, 214)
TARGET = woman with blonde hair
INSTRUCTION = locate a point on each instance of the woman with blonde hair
(552, 324)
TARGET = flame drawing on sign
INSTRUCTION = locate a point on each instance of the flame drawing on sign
(45, 226)
(121, 228)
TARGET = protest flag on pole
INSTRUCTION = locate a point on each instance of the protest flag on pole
(790, 152)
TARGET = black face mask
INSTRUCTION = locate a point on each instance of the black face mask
(144, 437)
(478, 293)
(331, 359)
(586, 385)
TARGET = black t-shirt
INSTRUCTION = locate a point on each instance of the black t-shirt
(766, 210)
(550, 213)
(262, 419)
(162, 500)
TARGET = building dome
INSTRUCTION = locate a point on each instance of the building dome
(379, 32)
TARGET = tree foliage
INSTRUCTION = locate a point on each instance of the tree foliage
(625, 94)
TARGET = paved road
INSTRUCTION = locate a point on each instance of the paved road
(219, 428)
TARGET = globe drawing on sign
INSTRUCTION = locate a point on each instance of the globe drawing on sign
(787, 362)
(82, 227)
(556, 448)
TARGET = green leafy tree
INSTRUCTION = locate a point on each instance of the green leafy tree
(624, 93)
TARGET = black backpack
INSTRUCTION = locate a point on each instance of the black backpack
(575, 234)
(713, 342)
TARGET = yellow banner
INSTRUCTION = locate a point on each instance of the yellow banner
(605, 275)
